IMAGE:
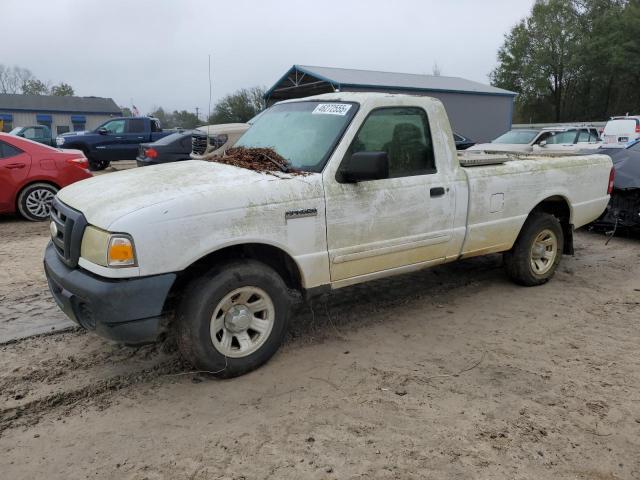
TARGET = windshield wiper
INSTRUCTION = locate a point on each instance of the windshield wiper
(282, 167)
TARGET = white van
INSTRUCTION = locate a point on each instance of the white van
(621, 130)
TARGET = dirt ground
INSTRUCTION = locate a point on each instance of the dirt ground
(452, 372)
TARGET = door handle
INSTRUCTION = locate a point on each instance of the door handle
(15, 165)
(140, 138)
(118, 138)
(437, 191)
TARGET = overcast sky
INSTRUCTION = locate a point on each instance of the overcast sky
(154, 53)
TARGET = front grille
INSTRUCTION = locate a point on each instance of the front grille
(69, 228)
(199, 144)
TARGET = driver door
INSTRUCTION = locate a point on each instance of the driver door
(403, 220)
(107, 146)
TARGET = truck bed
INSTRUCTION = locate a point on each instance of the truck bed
(483, 158)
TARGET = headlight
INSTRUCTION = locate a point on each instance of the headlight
(59, 141)
(108, 249)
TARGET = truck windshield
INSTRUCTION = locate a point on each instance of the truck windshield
(304, 133)
(520, 137)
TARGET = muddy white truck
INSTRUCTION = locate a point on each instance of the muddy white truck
(373, 187)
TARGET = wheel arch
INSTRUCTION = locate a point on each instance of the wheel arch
(560, 207)
(275, 257)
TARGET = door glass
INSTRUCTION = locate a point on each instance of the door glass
(402, 132)
(562, 137)
(136, 125)
(29, 133)
(583, 136)
(114, 126)
(8, 151)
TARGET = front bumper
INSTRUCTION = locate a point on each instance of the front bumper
(126, 310)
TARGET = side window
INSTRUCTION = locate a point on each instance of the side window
(8, 151)
(402, 132)
(136, 125)
(584, 136)
(155, 126)
(563, 137)
(30, 133)
(114, 126)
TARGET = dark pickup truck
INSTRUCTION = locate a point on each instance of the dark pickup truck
(116, 139)
(37, 133)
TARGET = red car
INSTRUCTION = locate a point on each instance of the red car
(31, 173)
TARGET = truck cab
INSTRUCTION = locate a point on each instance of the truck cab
(115, 139)
(37, 133)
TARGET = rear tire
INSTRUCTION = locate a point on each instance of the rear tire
(97, 165)
(233, 319)
(537, 252)
(34, 201)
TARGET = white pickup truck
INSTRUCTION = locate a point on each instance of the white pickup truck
(218, 252)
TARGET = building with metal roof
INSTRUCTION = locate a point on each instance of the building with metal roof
(476, 110)
(60, 114)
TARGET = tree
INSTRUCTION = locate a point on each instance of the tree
(573, 60)
(35, 87)
(13, 78)
(184, 119)
(62, 90)
(539, 56)
(165, 118)
(126, 112)
(238, 107)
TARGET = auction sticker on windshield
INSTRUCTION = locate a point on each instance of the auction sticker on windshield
(332, 109)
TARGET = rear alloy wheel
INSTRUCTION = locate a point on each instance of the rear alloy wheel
(537, 252)
(34, 202)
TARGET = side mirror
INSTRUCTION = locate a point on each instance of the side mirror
(103, 131)
(21, 134)
(363, 166)
(543, 143)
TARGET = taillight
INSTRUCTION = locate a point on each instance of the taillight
(637, 128)
(612, 176)
(151, 153)
(78, 162)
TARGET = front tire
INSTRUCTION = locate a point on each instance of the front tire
(233, 319)
(34, 201)
(537, 252)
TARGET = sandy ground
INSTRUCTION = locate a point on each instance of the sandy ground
(452, 372)
(26, 308)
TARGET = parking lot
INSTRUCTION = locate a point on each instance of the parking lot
(453, 372)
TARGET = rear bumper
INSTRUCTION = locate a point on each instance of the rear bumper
(127, 311)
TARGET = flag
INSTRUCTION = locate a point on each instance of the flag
(135, 111)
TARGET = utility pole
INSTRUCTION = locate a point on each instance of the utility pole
(197, 113)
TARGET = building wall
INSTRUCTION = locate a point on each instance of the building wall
(23, 119)
(479, 117)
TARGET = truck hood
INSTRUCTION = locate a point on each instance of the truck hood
(203, 185)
